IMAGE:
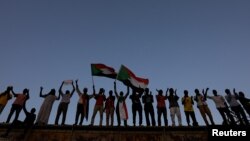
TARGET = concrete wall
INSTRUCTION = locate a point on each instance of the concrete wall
(86, 133)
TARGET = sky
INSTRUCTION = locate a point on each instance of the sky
(174, 43)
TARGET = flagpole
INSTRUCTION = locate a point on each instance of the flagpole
(93, 80)
(91, 67)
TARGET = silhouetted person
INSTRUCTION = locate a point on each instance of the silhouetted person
(121, 108)
(5, 97)
(110, 108)
(100, 99)
(174, 107)
(27, 124)
(17, 105)
(82, 105)
(222, 107)
(203, 107)
(161, 107)
(236, 107)
(188, 103)
(63, 106)
(136, 106)
(245, 102)
(148, 100)
(46, 107)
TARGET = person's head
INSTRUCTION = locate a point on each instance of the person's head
(146, 90)
(53, 92)
(101, 91)
(33, 110)
(171, 91)
(197, 91)
(160, 92)
(185, 93)
(25, 91)
(85, 90)
(241, 94)
(9, 88)
(227, 91)
(67, 92)
(110, 93)
(215, 92)
(121, 93)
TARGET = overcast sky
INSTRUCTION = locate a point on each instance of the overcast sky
(178, 43)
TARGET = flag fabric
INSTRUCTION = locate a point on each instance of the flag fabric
(103, 70)
(130, 79)
(123, 111)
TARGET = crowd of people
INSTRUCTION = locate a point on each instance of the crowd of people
(233, 107)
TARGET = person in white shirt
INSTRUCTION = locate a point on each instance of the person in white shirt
(222, 107)
(63, 106)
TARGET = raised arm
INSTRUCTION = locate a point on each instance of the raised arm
(77, 88)
(73, 90)
(235, 93)
(58, 97)
(15, 95)
(127, 92)
(151, 96)
(94, 94)
(205, 93)
(175, 94)
(41, 92)
(60, 89)
(166, 92)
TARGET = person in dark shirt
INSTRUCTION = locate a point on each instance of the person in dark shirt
(174, 107)
(27, 124)
(245, 102)
(148, 100)
(136, 106)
